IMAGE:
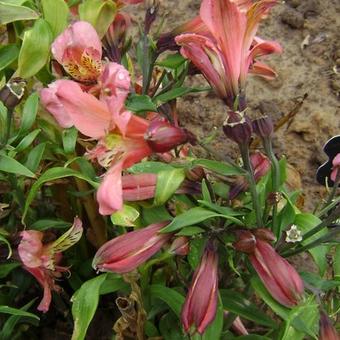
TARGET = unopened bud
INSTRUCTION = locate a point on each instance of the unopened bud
(195, 174)
(180, 246)
(327, 330)
(246, 242)
(162, 137)
(238, 128)
(274, 198)
(263, 126)
(264, 234)
(151, 13)
(12, 93)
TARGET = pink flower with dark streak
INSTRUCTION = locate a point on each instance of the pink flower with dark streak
(327, 330)
(126, 252)
(277, 274)
(200, 305)
(79, 50)
(336, 167)
(227, 53)
(41, 260)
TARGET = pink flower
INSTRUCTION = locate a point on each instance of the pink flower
(226, 55)
(261, 166)
(327, 330)
(180, 246)
(139, 187)
(277, 274)
(79, 50)
(200, 305)
(126, 252)
(336, 167)
(41, 260)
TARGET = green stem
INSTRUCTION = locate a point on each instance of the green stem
(252, 183)
(8, 127)
(276, 181)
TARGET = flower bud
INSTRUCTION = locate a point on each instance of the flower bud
(200, 305)
(139, 187)
(263, 127)
(264, 234)
(238, 128)
(180, 246)
(327, 330)
(246, 242)
(126, 252)
(162, 137)
(12, 93)
(277, 274)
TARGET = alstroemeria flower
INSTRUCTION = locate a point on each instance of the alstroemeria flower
(226, 56)
(126, 252)
(79, 50)
(200, 305)
(41, 260)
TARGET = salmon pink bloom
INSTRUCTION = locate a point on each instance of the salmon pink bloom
(226, 55)
(200, 305)
(126, 252)
(79, 50)
(41, 260)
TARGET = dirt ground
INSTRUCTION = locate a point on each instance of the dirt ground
(308, 30)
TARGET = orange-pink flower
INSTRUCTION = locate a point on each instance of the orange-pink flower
(41, 260)
(226, 54)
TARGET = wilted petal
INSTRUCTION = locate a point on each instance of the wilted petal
(262, 70)
(88, 114)
(126, 252)
(52, 104)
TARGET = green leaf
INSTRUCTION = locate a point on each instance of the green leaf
(317, 282)
(172, 61)
(8, 53)
(99, 13)
(69, 137)
(286, 216)
(35, 49)
(11, 12)
(194, 216)
(125, 217)
(168, 181)
(234, 302)
(29, 113)
(113, 283)
(174, 93)
(140, 103)
(219, 209)
(4, 240)
(6, 268)
(34, 157)
(190, 231)
(8, 164)
(27, 140)
(19, 312)
(205, 191)
(51, 175)
(49, 223)
(306, 222)
(196, 250)
(149, 167)
(57, 22)
(85, 301)
(219, 167)
(171, 297)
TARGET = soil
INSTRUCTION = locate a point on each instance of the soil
(308, 30)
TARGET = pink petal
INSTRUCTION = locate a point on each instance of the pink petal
(110, 194)
(53, 105)
(30, 248)
(263, 70)
(227, 24)
(89, 115)
(82, 35)
(336, 166)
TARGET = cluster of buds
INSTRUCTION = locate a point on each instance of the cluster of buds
(277, 274)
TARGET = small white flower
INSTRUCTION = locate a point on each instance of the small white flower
(293, 234)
